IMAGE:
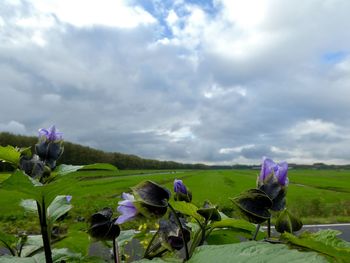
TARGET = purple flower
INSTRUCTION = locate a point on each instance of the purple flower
(273, 181)
(126, 208)
(181, 192)
(179, 187)
(68, 198)
(278, 170)
(50, 146)
(51, 134)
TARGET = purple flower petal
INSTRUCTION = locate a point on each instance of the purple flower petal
(281, 173)
(51, 134)
(126, 208)
(179, 187)
(68, 198)
(267, 168)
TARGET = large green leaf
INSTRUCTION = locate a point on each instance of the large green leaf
(34, 243)
(226, 236)
(22, 183)
(252, 252)
(100, 166)
(242, 228)
(32, 189)
(160, 260)
(9, 154)
(58, 256)
(187, 209)
(29, 205)
(58, 207)
(234, 223)
(8, 241)
(325, 242)
(65, 169)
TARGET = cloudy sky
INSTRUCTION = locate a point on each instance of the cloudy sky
(212, 81)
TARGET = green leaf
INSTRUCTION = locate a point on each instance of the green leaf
(252, 252)
(58, 207)
(160, 260)
(125, 237)
(187, 209)
(100, 166)
(29, 205)
(64, 169)
(9, 154)
(226, 236)
(286, 222)
(33, 243)
(325, 242)
(239, 226)
(234, 223)
(8, 241)
(22, 183)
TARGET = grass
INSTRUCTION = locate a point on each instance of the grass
(318, 196)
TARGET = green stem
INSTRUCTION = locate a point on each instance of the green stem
(181, 230)
(203, 227)
(115, 251)
(256, 231)
(195, 240)
(13, 253)
(268, 228)
(148, 249)
(44, 231)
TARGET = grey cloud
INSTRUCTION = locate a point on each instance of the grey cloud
(121, 90)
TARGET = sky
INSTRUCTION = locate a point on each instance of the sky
(212, 81)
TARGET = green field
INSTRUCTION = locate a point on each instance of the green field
(316, 195)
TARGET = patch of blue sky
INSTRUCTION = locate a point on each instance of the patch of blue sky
(334, 57)
(207, 5)
(160, 9)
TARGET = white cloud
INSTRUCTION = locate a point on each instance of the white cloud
(236, 149)
(314, 127)
(13, 127)
(217, 91)
(83, 13)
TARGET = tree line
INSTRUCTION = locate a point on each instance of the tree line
(78, 154)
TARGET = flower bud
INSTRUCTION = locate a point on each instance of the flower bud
(103, 227)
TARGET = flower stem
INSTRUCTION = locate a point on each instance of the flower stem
(181, 230)
(268, 228)
(115, 251)
(256, 231)
(203, 227)
(44, 230)
(148, 249)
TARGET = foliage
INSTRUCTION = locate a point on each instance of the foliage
(325, 242)
(185, 231)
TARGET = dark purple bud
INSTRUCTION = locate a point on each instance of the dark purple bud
(32, 166)
(102, 226)
(170, 233)
(151, 199)
(49, 151)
